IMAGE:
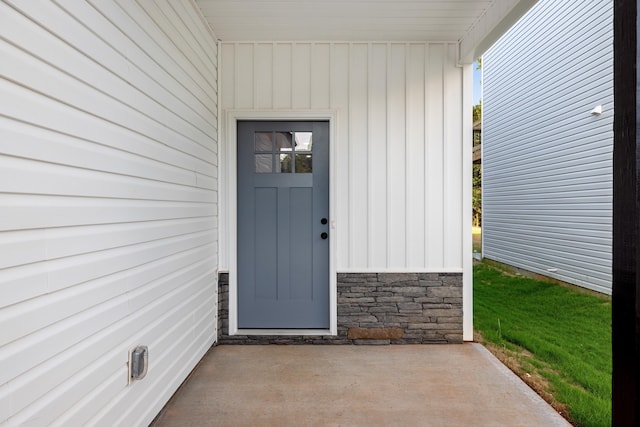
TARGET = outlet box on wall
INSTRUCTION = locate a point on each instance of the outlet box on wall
(138, 363)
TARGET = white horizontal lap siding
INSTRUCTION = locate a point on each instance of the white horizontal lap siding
(547, 162)
(108, 206)
(398, 157)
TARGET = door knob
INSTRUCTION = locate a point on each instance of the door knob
(324, 235)
(323, 221)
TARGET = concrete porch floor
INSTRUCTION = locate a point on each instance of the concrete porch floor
(332, 385)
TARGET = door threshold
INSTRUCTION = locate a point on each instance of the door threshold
(284, 332)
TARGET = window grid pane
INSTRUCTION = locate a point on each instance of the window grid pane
(283, 152)
(263, 142)
(264, 163)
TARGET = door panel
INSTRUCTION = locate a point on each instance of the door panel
(283, 196)
(301, 253)
(265, 235)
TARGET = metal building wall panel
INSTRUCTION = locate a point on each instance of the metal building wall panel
(547, 161)
(108, 195)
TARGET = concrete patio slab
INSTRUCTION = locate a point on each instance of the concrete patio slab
(398, 385)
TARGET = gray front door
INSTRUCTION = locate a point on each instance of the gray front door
(283, 227)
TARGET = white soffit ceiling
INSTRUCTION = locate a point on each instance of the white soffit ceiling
(474, 23)
(342, 20)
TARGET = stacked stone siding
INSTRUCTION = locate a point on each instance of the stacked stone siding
(378, 308)
(223, 305)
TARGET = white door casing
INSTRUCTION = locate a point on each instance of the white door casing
(228, 196)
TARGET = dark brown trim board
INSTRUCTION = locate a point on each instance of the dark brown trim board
(626, 216)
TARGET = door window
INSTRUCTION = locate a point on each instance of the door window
(283, 152)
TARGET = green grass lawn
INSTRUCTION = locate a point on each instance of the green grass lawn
(556, 334)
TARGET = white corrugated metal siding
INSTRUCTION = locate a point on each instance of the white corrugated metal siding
(547, 162)
(399, 160)
(108, 206)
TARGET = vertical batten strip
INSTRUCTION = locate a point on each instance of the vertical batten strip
(443, 159)
(330, 68)
(263, 75)
(365, 145)
(370, 186)
(292, 74)
(399, 166)
(301, 76)
(447, 135)
(407, 147)
(347, 151)
(235, 76)
(415, 224)
(446, 172)
(426, 152)
(312, 50)
(435, 140)
(339, 101)
(273, 75)
(377, 146)
(397, 176)
(354, 220)
(388, 155)
(386, 143)
(254, 70)
(351, 231)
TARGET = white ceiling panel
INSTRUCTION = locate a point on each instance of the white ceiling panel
(357, 20)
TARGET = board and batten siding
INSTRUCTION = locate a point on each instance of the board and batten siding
(108, 206)
(547, 161)
(399, 160)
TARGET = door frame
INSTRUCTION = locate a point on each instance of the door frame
(230, 199)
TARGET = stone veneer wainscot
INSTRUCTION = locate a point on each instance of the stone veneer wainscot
(377, 308)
